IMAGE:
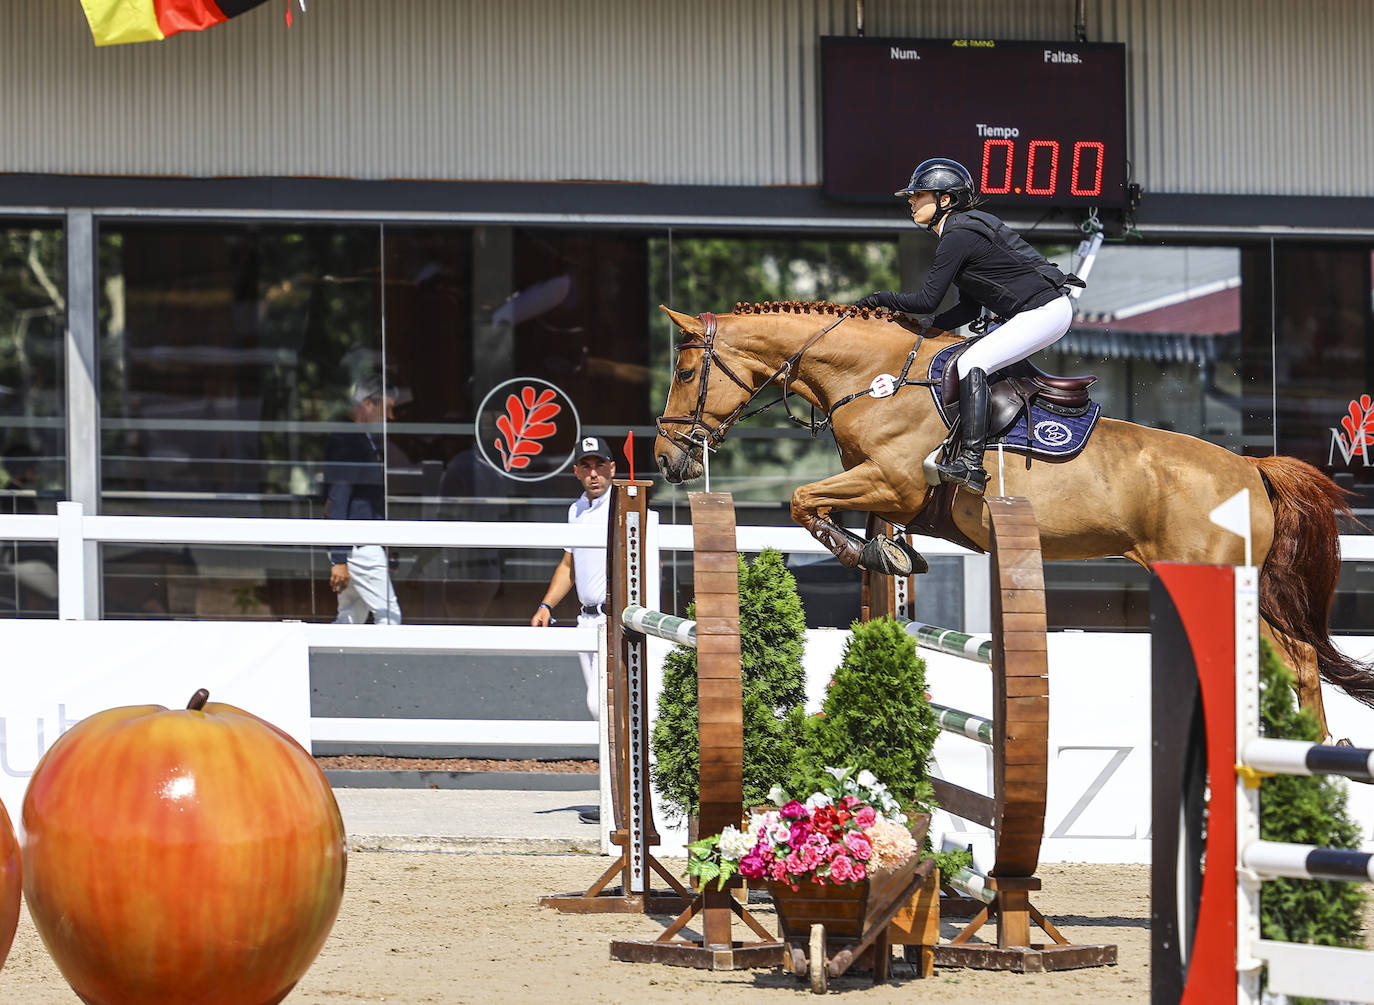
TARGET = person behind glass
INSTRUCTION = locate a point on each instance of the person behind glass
(992, 268)
(358, 574)
(585, 568)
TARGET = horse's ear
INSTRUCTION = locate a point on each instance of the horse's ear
(684, 321)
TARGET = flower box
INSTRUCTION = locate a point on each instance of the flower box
(855, 918)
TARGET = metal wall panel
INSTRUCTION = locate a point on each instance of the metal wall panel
(1228, 96)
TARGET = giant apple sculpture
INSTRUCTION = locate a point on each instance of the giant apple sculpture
(191, 855)
(9, 885)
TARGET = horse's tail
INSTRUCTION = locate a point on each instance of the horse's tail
(1298, 579)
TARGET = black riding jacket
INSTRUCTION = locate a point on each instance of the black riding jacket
(991, 266)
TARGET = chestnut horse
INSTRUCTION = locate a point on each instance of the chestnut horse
(1141, 493)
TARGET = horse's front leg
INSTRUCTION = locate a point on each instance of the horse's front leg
(863, 488)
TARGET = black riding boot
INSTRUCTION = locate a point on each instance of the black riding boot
(967, 468)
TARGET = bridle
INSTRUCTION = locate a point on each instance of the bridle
(699, 432)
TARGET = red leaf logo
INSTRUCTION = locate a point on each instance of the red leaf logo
(1359, 424)
(527, 420)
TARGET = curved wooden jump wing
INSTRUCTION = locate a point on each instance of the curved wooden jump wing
(1021, 687)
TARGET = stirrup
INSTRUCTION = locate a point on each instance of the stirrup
(959, 472)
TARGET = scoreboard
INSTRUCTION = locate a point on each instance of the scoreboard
(1036, 123)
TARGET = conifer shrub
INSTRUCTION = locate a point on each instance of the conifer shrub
(772, 640)
(1303, 809)
(877, 715)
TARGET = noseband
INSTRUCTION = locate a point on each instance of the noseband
(699, 432)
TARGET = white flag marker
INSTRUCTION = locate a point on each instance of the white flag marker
(1234, 515)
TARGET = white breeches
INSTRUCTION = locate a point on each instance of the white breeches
(369, 589)
(1026, 333)
(589, 672)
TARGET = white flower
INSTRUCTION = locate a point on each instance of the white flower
(735, 844)
(758, 823)
(867, 779)
(777, 795)
(839, 774)
(818, 799)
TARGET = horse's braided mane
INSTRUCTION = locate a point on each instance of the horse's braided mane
(817, 307)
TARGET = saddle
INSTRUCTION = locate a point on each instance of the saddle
(1012, 389)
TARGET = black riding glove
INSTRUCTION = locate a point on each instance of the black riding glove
(874, 299)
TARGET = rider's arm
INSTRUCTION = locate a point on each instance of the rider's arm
(960, 314)
(950, 255)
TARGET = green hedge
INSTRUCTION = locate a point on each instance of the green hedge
(772, 639)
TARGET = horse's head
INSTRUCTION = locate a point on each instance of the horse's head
(705, 395)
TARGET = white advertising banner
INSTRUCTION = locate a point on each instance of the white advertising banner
(59, 672)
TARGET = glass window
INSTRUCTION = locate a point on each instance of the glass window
(33, 455)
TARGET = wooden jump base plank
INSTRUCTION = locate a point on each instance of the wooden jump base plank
(627, 713)
(720, 718)
(1018, 655)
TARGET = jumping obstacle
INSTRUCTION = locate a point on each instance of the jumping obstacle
(626, 709)
(1205, 938)
(1018, 735)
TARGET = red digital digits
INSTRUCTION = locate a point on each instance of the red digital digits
(1042, 162)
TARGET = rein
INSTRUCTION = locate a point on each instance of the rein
(701, 433)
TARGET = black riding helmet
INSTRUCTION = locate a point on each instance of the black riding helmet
(941, 176)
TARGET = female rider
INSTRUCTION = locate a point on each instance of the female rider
(993, 268)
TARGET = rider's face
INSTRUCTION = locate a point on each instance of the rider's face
(922, 207)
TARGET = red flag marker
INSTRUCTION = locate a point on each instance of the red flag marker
(630, 452)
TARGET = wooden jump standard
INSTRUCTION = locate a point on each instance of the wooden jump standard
(628, 717)
(721, 722)
(1019, 738)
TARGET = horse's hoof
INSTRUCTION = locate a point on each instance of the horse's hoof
(887, 557)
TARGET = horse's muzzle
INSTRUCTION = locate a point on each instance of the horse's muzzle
(677, 465)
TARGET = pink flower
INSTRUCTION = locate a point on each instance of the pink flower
(865, 817)
(798, 834)
(809, 856)
(849, 802)
(858, 845)
(754, 864)
(841, 869)
(794, 811)
(778, 870)
(860, 871)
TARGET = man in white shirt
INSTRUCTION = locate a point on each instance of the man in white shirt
(585, 568)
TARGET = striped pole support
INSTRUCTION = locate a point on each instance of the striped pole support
(975, 727)
(947, 640)
(660, 625)
(1296, 757)
(1302, 861)
(969, 883)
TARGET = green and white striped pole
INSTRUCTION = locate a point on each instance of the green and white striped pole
(660, 625)
(975, 727)
(969, 883)
(947, 640)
